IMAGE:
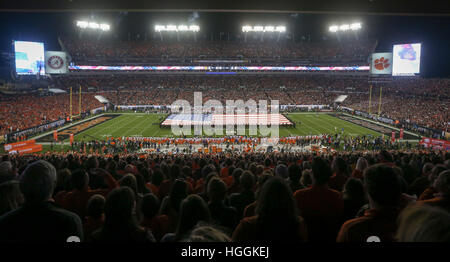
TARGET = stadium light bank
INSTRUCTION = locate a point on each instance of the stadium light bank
(179, 28)
(259, 28)
(345, 27)
(93, 25)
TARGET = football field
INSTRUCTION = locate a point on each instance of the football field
(147, 125)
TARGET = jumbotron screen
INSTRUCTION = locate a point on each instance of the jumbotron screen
(406, 59)
(29, 57)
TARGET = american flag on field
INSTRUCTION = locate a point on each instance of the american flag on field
(224, 119)
(187, 119)
(250, 119)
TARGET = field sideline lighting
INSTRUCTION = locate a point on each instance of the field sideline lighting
(179, 28)
(345, 27)
(259, 28)
(93, 25)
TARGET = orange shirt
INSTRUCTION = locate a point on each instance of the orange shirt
(224, 172)
(152, 188)
(249, 210)
(159, 225)
(441, 202)
(428, 193)
(166, 186)
(229, 180)
(381, 223)
(76, 200)
(322, 208)
(357, 174)
(337, 182)
(199, 186)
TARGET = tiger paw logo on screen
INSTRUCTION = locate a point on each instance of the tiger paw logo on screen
(381, 64)
(55, 62)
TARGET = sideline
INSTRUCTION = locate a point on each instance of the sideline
(382, 124)
(64, 127)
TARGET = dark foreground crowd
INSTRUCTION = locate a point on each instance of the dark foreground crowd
(392, 196)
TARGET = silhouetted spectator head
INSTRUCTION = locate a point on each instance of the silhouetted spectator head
(157, 177)
(207, 170)
(150, 206)
(79, 179)
(10, 196)
(208, 178)
(385, 157)
(321, 171)
(437, 169)
(306, 179)
(339, 166)
(186, 171)
(295, 173)
(247, 180)
(282, 171)
(353, 189)
(96, 206)
(112, 167)
(306, 165)
(259, 170)
(192, 211)
(383, 185)
(92, 163)
(217, 190)
(442, 184)
(175, 171)
(276, 206)
(131, 169)
(177, 193)
(129, 180)
(63, 180)
(267, 162)
(426, 169)
(7, 171)
(205, 233)
(361, 164)
(252, 168)
(237, 172)
(119, 207)
(423, 223)
(275, 201)
(38, 181)
(447, 162)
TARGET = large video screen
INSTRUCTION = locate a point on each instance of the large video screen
(29, 58)
(406, 60)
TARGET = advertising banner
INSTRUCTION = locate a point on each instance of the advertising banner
(27, 149)
(9, 147)
(435, 143)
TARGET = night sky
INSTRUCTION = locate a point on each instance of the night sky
(432, 31)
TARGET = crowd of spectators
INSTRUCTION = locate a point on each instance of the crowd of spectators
(396, 196)
(83, 50)
(424, 102)
(21, 112)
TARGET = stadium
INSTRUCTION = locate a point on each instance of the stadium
(221, 126)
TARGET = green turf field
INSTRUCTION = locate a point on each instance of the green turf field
(147, 125)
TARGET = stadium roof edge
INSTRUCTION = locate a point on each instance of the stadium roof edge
(226, 11)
